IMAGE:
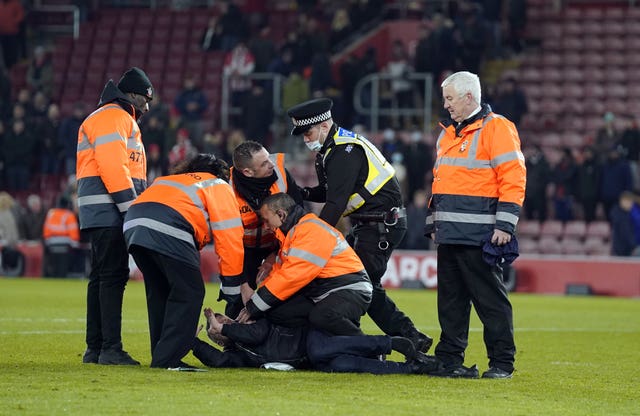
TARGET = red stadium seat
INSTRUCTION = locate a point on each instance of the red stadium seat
(549, 245)
(528, 228)
(575, 229)
(601, 229)
(527, 245)
(597, 246)
(552, 228)
(572, 246)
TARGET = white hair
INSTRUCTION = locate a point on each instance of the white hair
(465, 82)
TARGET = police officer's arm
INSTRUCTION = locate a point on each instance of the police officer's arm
(293, 190)
(343, 168)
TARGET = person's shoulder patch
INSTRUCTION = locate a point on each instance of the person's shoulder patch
(349, 148)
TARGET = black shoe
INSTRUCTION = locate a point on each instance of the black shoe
(116, 357)
(404, 346)
(495, 372)
(456, 371)
(421, 341)
(90, 356)
(425, 364)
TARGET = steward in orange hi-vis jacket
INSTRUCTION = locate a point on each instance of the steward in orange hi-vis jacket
(60, 234)
(316, 262)
(165, 228)
(479, 180)
(111, 172)
(254, 176)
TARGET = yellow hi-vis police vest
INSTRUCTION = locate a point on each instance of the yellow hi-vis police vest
(380, 170)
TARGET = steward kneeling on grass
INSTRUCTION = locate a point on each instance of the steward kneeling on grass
(264, 344)
(315, 262)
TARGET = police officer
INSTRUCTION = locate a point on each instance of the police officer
(355, 180)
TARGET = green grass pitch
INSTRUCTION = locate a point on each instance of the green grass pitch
(576, 356)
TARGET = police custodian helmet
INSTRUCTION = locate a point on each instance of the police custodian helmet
(309, 113)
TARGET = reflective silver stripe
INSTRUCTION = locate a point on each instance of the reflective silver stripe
(260, 304)
(59, 240)
(84, 143)
(226, 224)
(341, 245)
(230, 290)
(192, 191)
(307, 256)
(322, 224)
(465, 162)
(507, 157)
(429, 220)
(107, 138)
(468, 218)
(159, 227)
(364, 287)
(507, 217)
(124, 206)
(94, 199)
(282, 186)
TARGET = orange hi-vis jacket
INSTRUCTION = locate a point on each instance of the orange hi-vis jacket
(255, 236)
(111, 167)
(179, 214)
(60, 227)
(315, 260)
(479, 180)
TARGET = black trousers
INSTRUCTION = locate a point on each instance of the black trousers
(337, 314)
(464, 278)
(175, 292)
(107, 280)
(365, 240)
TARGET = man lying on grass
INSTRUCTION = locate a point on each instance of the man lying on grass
(259, 343)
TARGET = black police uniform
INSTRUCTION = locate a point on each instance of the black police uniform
(378, 226)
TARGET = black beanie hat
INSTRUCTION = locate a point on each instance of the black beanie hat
(137, 82)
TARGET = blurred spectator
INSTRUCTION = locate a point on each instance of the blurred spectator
(402, 87)
(471, 39)
(340, 28)
(155, 133)
(11, 16)
(418, 158)
(47, 136)
(5, 92)
(616, 178)
(24, 99)
(263, 49)
(630, 142)
(390, 144)
(40, 72)
(625, 226)
(215, 143)
(258, 115)
(239, 63)
(435, 51)
(39, 108)
(397, 161)
(538, 177)
(61, 236)
(232, 23)
(212, 37)
(182, 150)
(233, 140)
(348, 78)
(160, 110)
(564, 177)
(68, 137)
(493, 13)
(588, 179)
(282, 63)
(2, 166)
(368, 65)
(320, 80)
(11, 260)
(516, 11)
(19, 149)
(414, 239)
(32, 219)
(155, 163)
(510, 101)
(191, 105)
(607, 136)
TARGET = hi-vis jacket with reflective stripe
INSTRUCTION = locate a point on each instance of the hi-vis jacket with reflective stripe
(255, 236)
(111, 166)
(60, 227)
(380, 170)
(179, 214)
(314, 259)
(479, 181)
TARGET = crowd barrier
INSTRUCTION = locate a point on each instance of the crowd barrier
(546, 274)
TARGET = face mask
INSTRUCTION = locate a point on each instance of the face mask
(314, 146)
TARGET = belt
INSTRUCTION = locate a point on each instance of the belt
(390, 217)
